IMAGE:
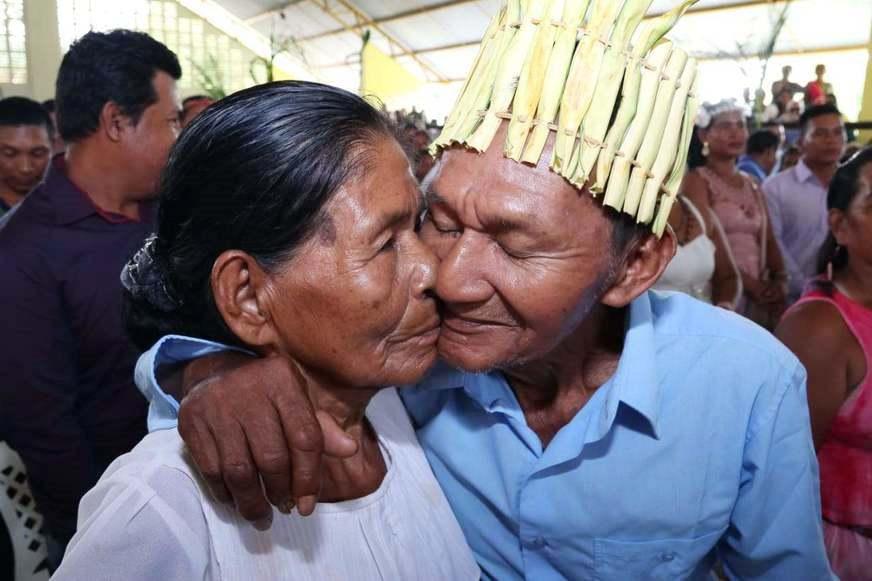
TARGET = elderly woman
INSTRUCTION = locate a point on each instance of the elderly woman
(738, 203)
(830, 330)
(287, 228)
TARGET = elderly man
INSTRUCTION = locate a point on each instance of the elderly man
(580, 425)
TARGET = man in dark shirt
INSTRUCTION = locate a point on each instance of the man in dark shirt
(26, 133)
(68, 404)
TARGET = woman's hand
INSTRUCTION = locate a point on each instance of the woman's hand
(255, 437)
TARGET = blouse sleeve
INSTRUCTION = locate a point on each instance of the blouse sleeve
(139, 526)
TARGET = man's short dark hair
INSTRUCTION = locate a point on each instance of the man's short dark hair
(762, 141)
(100, 67)
(817, 111)
(49, 105)
(20, 111)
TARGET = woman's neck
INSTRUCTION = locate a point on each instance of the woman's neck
(855, 281)
(362, 473)
(724, 167)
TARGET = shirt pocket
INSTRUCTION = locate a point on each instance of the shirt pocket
(661, 559)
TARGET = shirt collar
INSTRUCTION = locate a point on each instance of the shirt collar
(803, 173)
(634, 384)
(72, 204)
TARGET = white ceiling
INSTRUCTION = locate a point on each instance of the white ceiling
(436, 39)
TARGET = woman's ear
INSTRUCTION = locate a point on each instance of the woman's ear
(640, 269)
(239, 287)
(837, 221)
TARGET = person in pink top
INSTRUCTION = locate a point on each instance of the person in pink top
(717, 185)
(830, 330)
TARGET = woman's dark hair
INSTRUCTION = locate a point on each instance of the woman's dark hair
(116, 66)
(843, 189)
(254, 172)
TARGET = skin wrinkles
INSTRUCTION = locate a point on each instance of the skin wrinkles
(536, 299)
(355, 300)
(528, 281)
(362, 316)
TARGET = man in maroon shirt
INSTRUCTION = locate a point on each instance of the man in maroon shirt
(68, 404)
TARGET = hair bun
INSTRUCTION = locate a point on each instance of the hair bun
(145, 279)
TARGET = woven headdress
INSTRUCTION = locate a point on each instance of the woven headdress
(621, 100)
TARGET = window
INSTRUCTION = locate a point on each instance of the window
(13, 45)
(197, 44)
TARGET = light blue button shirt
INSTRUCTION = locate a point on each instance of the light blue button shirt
(699, 446)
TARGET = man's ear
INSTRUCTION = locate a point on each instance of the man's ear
(640, 269)
(240, 291)
(113, 121)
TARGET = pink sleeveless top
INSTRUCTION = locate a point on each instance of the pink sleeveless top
(846, 455)
(743, 218)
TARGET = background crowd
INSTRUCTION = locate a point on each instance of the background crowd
(768, 226)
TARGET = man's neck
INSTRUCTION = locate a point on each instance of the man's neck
(552, 390)
(824, 172)
(9, 197)
(102, 180)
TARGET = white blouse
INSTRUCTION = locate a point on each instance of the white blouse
(149, 517)
(691, 269)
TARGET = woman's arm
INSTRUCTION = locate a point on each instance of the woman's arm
(726, 281)
(818, 336)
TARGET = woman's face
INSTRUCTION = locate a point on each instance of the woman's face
(727, 134)
(854, 231)
(354, 305)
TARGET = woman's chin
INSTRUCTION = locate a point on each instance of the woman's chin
(414, 368)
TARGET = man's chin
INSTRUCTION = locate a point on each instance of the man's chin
(467, 358)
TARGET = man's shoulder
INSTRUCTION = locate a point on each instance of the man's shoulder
(683, 323)
(774, 185)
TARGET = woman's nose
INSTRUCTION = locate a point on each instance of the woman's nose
(427, 267)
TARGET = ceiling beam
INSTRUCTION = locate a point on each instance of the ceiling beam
(703, 10)
(702, 57)
(397, 46)
(389, 18)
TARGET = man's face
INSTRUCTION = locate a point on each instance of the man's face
(824, 140)
(524, 257)
(769, 159)
(147, 144)
(25, 151)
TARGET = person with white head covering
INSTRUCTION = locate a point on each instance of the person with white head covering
(737, 201)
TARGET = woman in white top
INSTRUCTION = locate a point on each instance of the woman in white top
(703, 266)
(287, 228)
